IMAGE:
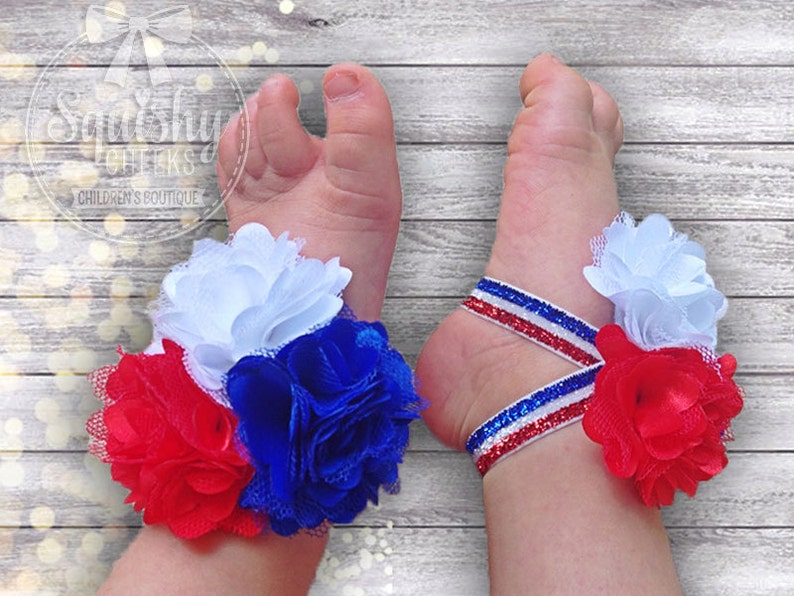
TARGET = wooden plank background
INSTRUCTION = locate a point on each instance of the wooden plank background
(707, 94)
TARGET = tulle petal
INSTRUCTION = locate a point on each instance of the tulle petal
(251, 295)
(658, 282)
(349, 391)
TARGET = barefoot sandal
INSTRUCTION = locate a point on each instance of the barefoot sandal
(261, 404)
(535, 319)
(653, 392)
(551, 407)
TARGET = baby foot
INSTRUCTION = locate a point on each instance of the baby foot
(341, 193)
(559, 191)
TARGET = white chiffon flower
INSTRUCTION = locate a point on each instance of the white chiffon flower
(657, 279)
(253, 294)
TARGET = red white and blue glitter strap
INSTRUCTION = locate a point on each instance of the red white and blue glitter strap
(535, 319)
(551, 407)
(530, 418)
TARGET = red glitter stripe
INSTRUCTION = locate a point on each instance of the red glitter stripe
(534, 429)
(528, 329)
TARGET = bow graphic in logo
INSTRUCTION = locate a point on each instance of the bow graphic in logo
(171, 24)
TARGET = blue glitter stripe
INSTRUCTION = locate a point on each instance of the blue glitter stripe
(531, 403)
(540, 307)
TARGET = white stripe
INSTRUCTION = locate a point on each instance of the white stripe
(537, 414)
(532, 339)
(539, 299)
(536, 319)
(532, 440)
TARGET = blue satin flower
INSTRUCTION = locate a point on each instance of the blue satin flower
(326, 423)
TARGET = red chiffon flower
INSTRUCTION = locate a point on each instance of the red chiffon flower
(660, 415)
(171, 445)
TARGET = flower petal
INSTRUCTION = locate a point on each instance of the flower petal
(351, 399)
(658, 282)
(251, 295)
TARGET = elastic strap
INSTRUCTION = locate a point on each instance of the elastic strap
(535, 319)
(558, 404)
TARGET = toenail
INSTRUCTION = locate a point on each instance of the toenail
(268, 84)
(344, 84)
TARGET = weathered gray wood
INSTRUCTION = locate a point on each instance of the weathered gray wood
(734, 561)
(497, 32)
(438, 489)
(454, 254)
(709, 146)
(52, 411)
(88, 331)
(440, 561)
(446, 104)
(707, 182)
(682, 181)
(764, 345)
(464, 181)
(713, 182)
(433, 258)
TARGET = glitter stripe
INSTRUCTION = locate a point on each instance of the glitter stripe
(551, 407)
(539, 306)
(529, 330)
(531, 402)
(541, 412)
(531, 433)
(539, 321)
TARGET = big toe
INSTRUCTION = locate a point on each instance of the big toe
(559, 187)
(556, 93)
(361, 158)
(559, 192)
(341, 194)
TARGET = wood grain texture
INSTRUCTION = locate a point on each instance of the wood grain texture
(449, 104)
(52, 410)
(433, 258)
(468, 31)
(69, 336)
(464, 182)
(706, 90)
(438, 489)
